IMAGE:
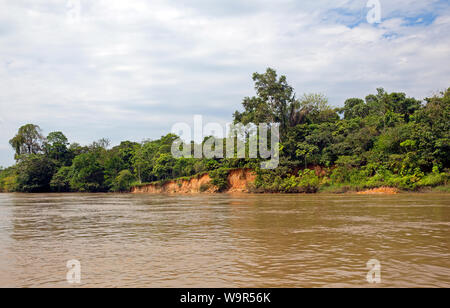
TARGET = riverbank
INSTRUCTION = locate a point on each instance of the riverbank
(238, 180)
(243, 181)
(145, 189)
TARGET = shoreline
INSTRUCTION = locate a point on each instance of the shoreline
(350, 192)
(243, 181)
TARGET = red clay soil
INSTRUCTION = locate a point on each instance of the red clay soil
(238, 181)
(380, 191)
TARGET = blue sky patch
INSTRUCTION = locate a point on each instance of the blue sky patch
(420, 20)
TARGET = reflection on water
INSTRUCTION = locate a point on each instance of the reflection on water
(224, 240)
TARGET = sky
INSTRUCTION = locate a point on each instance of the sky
(130, 70)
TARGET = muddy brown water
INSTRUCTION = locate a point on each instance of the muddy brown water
(125, 240)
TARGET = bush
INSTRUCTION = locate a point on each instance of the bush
(434, 179)
(8, 180)
(88, 174)
(8, 183)
(308, 182)
(407, 181)
(269, 181)
(288, 185)
(123, 181)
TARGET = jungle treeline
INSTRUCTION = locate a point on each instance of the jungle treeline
(385, 139)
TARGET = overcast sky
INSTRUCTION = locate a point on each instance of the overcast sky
(128, 70)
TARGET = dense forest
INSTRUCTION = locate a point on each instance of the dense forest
(386, 139)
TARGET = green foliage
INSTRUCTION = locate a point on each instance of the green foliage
(306, 151)
(434, 179)
(123, 181)
(275, 102)
(164, 166)
(28, 140)
(385, 139)
(355, 108)
(8, 180)
(56, 147)
(271, 181)
(87, 173)
(34, 173)
(219, 178)
(61, 180)
(308, 181)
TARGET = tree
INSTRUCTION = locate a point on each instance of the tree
(61, 180)
(138, 161)
(164, 165)
(355, 107)
(76, 149)
(27, 141)
(306, 151)
(102, 143)
(115, 160)
(125, 152)
(88, 174)
(314, 108)
(275, 102)
(432, 130)
(386, 139)
(56, 147)
(400, 104)
(123, 181)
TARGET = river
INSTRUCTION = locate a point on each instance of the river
(126, 240)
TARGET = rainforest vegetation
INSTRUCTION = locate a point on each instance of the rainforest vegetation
(385, 139)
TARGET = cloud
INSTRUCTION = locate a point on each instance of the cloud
(131, 69)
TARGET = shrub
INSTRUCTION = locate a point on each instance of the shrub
(434, 179)
(8, 180)
(290, 185)
(8, 184)
(269, 181)
(123, 181)
(308, 182)
(219, 178)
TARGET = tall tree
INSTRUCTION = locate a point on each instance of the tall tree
(274, 103)
(56, 147)
(314, 108)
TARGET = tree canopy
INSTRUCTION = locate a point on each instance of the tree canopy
(27, 141)
(383, 139)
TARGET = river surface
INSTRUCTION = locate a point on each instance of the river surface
(124, 240)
